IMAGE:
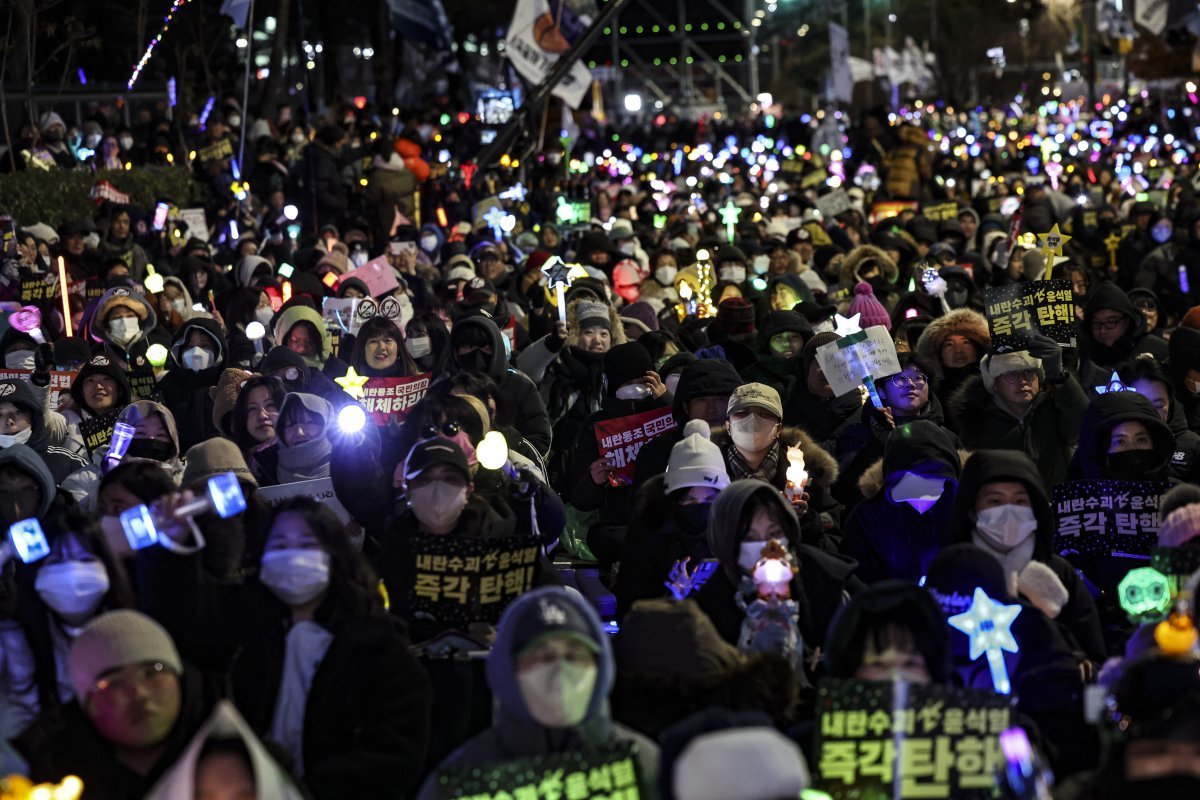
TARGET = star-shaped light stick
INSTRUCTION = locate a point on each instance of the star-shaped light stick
(848, 326)
(558, 278)
(352, 383)
(1112, 243)
(729, 216)
(1052, 245)
(1115, 384)
(494, 218)
(988, 625)
(844, 326)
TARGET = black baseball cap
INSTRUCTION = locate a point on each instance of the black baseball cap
(429, 452)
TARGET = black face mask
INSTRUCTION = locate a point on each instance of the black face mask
(880, 285)
(153, 449)
(957, 298)
(1131, 465)
(53, 136)
(693, 518)
(474, 361)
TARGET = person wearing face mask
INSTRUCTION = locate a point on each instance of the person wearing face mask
(632, 387)
(315, 663)
(427, 342)
(672, 511)
(1138, 243)
(1002, 508)
(23, 422)
(908, 504)
(550, 672)
(659, 288)
(174, 306)
(1148, 378)
(745, 516)
(623, 237)
(1184, 366)
(155, 436)
(124, 323)
(1112, 330)
(197, 359)
(1122, 437)
(54, 140)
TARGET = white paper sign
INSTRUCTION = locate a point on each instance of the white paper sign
(873, 354)
(834, 203)
(338, 314)
(197, 222)
(319, 489)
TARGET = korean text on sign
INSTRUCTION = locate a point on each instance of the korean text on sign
(608, 772)
(620, 439)
(1017, 311)
(390, 399)
(1106, 518)
(464, 580)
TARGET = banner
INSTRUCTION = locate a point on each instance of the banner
(891, 208)
(97, 432)
(540, 32)
(389, 399)
(866, 353)
(215, 151)
(60, 382)
(620, 439)
(319, 489)
(1152, 15)
(840, 76)
(142, 383)
(463, 579)
(37, 287)
(1017, 310)
(608, 772)
(940, 212)
(1106, 518)
(338, 314)
(939, 742)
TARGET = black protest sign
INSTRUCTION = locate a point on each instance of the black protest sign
(940, 212)
(142, 383)
(36, 287)
(97, 432)
(939, 742)
(460, 580)
(1016, 311)
(1106, 518)
(609, 772)
(216, 151)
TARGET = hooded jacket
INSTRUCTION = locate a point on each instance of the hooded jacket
(186, 392)
(818, 587)
(959, 322)
(321, 360)
(132, 353)
(62, 459)
(140, 410)
(772, 369)
(889, 538)
(1091, 459)
(100, 364)
(169, 323)
(312, 381)
(514, 732)
(1079, 615)
(1098, 360)
(522, 406)
(27, 460)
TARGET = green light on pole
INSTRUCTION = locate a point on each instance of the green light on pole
(729, 216)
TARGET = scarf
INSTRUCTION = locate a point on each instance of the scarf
(739, 469)
(1014, 561)
(304, 462)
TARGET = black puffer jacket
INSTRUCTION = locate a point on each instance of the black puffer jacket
(186, 392)
(1098, 361)
(1092, 460)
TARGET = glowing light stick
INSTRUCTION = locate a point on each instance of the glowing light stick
(1183, 280)
(352, 418)
(729, 216)
(28, 320)
(1112, 243)
(146, 56)
(494, 218)
(26, 540)
(797, 476)
(936, 286)
(255, 332)
(558, 278)
(1052, 245)
(62, 291)
(1114, 385)
(224, 496)
(154, 281)
(156, 354)
(1145, 595)
(988, 625)
(352, 383)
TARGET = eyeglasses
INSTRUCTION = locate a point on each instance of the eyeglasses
(449, 429)
(1020, 376)
(1106, 325)
(904, 379)
(118, 683)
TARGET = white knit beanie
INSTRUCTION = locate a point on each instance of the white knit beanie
(118, 639)
(696, 461)
(993, 366)
(749, 763)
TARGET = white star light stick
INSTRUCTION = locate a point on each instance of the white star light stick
(558, 278)
(988, 625)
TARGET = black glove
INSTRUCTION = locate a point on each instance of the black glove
(1049, 352)
(43, 362)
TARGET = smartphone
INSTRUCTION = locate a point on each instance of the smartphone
(160, 216)
(139, 527)
(29, 540)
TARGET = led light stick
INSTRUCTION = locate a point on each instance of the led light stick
(255, 332)
(797, 476)
(988, 625)
(154, 282)
(936, 286)
(28, 320)
(62, 291)
(1183, 280)
(352, 418)
(494, 218)
(26, 540)
(729, 216)
(1114, 385)
(352, 383)
(223, 495)
(558, 278)
(146, 56)
(1145, 595)
(1052, 245)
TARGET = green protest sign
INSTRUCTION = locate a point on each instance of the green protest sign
(604, 773)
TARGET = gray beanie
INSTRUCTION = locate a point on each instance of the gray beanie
(993, 366)
(118, 639)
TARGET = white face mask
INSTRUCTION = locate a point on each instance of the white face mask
(358, 257)
(264, 314)
(234, 120)
(627, 248)
(429, 243)
(438, 505)
(419, 346)
(295, 576)
(1005, 527)
(299, 138)
(126, 142)
(761, 264)
(748, 555)
(635, 391)
(73, 589)
(672, 382)
(918, 491)
(752, 434)
(124, 330)
(732, 274)
(178, 305)
(558, 693)
(20, 437)
(1192, 386)
(197, 358)
(666, 275)
(20, 359)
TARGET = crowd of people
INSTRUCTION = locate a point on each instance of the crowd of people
(402, 366)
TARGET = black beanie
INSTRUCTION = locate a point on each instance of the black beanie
(626, 362)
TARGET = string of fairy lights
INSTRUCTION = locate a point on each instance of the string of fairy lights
(146, 56)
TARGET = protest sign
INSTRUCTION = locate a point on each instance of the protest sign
(377, 274)
(1106, 518)
(97, 432)
(620, 439)
(814, 179)
(60, 382)
(539, 33)
(319, 489)
(142, 383)
(940, 212)
(339, 314)
(1014, 312)
(834, 203)
(939, 742)
(460, 580)
(390, 399)
(197, 222)
(608, 772)
(36, 287)
(851, 358)
(216, 151)
(891, 208)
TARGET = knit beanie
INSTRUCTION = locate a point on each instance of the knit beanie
(871, 310)
(1191, 319)
(640, 314)
(734, 316)
(993, 366)
(225, 394)
(214, 457)
(1180, 514)
(118, 639)
(589, 314)
(752, 763)
(809, 353)
(696, 461)
(624, 363)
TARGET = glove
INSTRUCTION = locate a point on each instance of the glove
(43, 362)
(1049, 352)
(1042, 587)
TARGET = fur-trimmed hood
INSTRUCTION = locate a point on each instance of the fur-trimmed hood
(822, 467)
(618, 327)
(871, 482)
(859, 257)
(961, 321)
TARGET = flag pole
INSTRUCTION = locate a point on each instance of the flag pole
(246, 90)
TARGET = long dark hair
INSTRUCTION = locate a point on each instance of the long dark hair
(353, 585)
(237, 417)
(144, 480)
(439, 338)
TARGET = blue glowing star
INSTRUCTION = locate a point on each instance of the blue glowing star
(495, 221)
(1114, 385)
(988, 625)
